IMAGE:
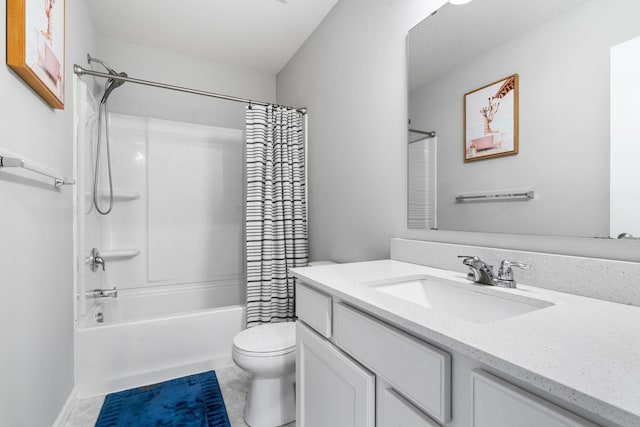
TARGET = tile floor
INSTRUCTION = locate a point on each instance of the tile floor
(234, 383)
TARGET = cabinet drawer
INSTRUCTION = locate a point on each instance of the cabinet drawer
(416, 369)
(397, 412)
(314, 308)
(497, 403)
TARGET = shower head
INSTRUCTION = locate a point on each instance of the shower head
(112, 84)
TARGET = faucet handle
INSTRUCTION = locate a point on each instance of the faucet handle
(95, 260)
(505, 273)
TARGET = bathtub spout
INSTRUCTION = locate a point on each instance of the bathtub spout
(103, 293)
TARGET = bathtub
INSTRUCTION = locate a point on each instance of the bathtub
(150, 336)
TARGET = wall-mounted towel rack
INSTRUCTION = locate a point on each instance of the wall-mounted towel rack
(496, 195)
(14, 161)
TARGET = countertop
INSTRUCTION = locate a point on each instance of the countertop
(582, 350)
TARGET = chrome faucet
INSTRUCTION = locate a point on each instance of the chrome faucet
(103, 293)
(481, 272)
(95, 260)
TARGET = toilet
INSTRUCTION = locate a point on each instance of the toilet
(268, 353)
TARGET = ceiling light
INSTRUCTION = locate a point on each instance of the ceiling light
(458, 2)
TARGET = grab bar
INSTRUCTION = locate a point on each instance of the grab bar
(17, 162)
(498, 195)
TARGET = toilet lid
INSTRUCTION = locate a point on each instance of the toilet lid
(270, 338)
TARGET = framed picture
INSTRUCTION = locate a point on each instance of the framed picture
(491, 120)
(35, 46)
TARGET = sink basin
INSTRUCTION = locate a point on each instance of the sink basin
(470, 302)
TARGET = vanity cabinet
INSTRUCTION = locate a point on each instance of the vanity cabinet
(354, 370)
(331, 389)
(342, 353)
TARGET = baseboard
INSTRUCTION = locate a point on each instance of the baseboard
(66, 409)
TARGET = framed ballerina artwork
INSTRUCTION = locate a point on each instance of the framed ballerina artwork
(35, 46)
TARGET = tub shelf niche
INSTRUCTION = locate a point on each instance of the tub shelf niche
(118, 196)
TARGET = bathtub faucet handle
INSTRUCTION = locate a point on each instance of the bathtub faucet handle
(95, 260)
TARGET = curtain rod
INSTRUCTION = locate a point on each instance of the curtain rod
(80, 71)
(430, 134)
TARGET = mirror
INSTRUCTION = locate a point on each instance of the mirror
(559, 181)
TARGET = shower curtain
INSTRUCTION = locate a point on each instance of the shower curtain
(276, 214)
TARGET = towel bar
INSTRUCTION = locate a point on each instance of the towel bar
(17, 162)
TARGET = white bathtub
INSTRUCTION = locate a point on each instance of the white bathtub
(148, 337)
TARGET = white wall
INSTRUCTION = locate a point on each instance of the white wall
(36, 265)
(351, 75)
(560, 61)
(152, 64)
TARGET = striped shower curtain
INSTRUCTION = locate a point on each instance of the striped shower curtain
(276, 214)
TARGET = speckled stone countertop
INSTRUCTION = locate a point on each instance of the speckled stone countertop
(582, 350)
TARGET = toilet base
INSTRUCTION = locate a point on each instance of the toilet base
(271, 402)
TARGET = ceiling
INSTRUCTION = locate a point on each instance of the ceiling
(258, 34)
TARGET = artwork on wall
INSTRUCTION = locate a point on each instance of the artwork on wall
(35, 46)
(491, 120)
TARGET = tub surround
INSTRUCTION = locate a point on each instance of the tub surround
(579, 350)
(140, 252)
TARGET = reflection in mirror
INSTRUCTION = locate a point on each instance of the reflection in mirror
(421, 179)
(625, 149)
(561, 52)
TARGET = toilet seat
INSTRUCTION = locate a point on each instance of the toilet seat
(273, 339)
(263, 354)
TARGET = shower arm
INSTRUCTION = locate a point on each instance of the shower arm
(91, 59)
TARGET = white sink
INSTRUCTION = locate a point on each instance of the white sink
(475, 303)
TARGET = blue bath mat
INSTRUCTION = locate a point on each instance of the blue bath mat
(192, 401)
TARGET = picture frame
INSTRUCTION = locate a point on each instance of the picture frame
(36, 46)
(491, 120)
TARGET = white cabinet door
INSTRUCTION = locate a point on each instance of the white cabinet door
(497, 403)
(331, 389)
(397, 412)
